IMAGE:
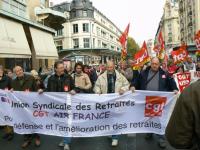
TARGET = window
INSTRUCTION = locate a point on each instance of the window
(102, 21)
(111, 27)
(103, 34)
(22, 10)
(112, 47)
(85, 13)
(92, 28)
(76, 43)
(170, 34)
(85, 27)
(14, 7)
(99, 43)
(59, 32)
(93, 42)
(75, 28)
(73, 14)
(59, 48)
(59, 45)
(43, 2)
(86, 42)
(5, 5)
(169, 39)
(98, 31)
(111, 37)
(104, 45)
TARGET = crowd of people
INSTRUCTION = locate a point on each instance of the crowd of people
(109, 78)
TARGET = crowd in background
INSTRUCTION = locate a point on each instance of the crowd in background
(109, 78)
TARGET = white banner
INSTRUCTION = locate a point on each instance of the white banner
(86, 115)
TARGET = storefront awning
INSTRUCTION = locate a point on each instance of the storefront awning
(13, 42)
(43, 44)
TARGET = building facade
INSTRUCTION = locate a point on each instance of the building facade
(189, 11)
(24, 41)
(169, 25)
(88, 35)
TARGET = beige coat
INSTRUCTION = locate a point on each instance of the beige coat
(101, 85)
(82, 81)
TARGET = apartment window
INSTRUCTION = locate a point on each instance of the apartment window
(103, 34)
(104, 45)
(102, 21)
(170, 34)
(85, 27)
(86, 42)
(75, 28)
(93, 42)
(59, 48)
(92, 28)
(99, 43)
(169, 39)
(43, 2)
(111, 27)
(59, 32)
(14, 7)
(112, 47)
(111, 37)
(59, 45)
(22, 10)
(85, 14)
(5, 5)
(76, 43)
(98, 31)
(73, 14)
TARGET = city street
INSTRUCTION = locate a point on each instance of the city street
(100, 143)
(90, 68)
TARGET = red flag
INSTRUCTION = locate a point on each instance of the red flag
(160, 46)
(161, 41)
(180, 55)
(124, 36)
(123, 41)
(164, 64)
(141, 57)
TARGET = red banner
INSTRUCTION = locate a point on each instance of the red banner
(141, 57)
(180, 55)
(184, 80)
(197, 40)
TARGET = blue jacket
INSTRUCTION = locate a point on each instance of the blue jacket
(166, 83)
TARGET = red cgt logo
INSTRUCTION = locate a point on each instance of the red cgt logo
(154, 106)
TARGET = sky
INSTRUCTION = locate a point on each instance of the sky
(144, 15)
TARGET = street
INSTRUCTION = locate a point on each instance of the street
(100, 143)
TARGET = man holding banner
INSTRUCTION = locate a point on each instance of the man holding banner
(5, 84)
(155, 79)
(111, 81)
(25, 83)
(61, 82)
